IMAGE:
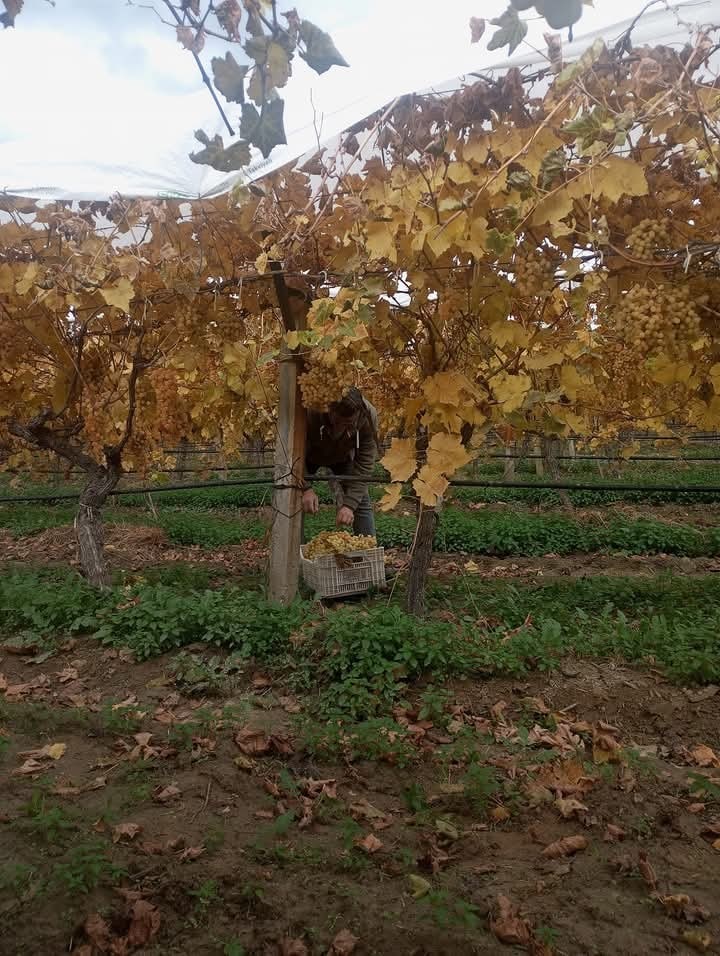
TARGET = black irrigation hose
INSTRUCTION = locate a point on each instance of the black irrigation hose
(456, 483)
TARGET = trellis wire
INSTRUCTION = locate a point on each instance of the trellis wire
(455, 483)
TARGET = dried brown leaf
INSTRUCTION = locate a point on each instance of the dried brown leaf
(704, 756)
(319, 788)
(646, 871)
(507, 924)
(125, 832)
(362, 810)
(568, 807)
(191, 853)
(166, 794)
(682, 907)
(697, 939)
(567, 846)
(253, 743)
(293, 947)
(144, 923)
(343, 944)
(613, 833)
(370, 844)
(97, 932)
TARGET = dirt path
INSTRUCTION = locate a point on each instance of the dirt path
(137, 812)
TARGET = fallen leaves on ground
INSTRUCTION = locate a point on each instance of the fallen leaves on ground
(166, 794)
(613, 833)
(38, 761)
(256, 743)
(362, 810)
(697, 939)
(343, 944)
(125, 832)
(646, 871)
(191, 853)
(143, 920)
(682, 907)
(48, 752)
(507, 924)
(370, 844)
(293, 947)
(318, 788)
(419, 887)
(144, 923)
(703, 756)
(567, 846)
(568, 807)
(566, 778)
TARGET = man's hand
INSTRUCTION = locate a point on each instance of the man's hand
(310, 503)
(345, 517)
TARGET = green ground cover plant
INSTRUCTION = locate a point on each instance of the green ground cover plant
(359, 662)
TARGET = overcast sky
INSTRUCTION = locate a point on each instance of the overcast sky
(98, 96)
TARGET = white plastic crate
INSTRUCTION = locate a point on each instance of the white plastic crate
(328, 576)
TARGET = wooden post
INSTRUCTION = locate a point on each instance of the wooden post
(286, 534)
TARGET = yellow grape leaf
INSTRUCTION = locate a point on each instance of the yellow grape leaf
(292, 339)
(571, 381)
(61, 389)
(444, 388)
(545, 142)
(278, 64)
(553, 208)
(509, 332)
(507, 141)
(441, 237)
(412, 407)
(476, 150)
(42, 329)
(235, 356)
(460, 173)
(55, 751)
(399, 460)
(391, 498)
(120, 294)
(429, 486)
(540, 360)
(476, 245)
(261, 263)
(621, 177)
(446, 453)
(380, 242)
(255, 390)
(669, 372)
(23, 286)
(511, 390)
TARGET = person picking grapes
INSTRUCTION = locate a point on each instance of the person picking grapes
(344, 440)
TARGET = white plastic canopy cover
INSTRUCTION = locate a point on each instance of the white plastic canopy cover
(99, 98)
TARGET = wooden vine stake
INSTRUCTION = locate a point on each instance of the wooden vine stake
(286, 534)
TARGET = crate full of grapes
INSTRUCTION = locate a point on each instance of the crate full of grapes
(336, 563)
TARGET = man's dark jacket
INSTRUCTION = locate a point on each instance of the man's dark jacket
(354, 452)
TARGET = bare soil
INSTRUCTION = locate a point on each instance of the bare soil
(220, 867)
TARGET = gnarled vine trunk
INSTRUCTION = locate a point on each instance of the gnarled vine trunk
(420, 560)
(89, 531)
